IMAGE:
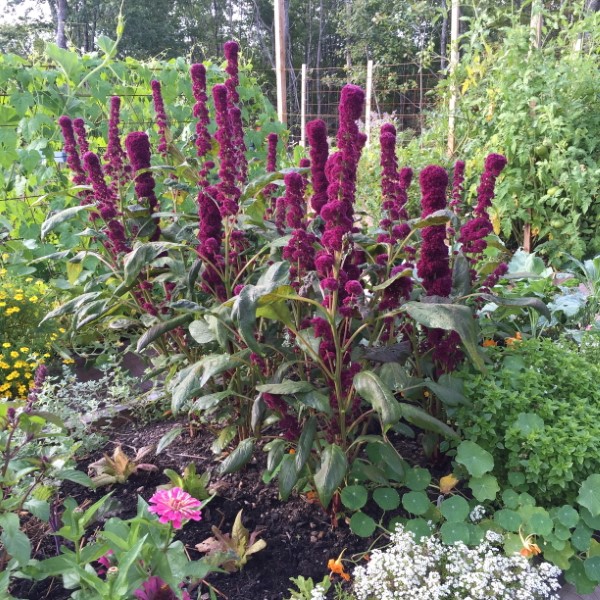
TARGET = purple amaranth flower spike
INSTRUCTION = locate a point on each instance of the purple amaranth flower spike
(457, 186)
(228, 191)
(137, 145)
(316, 132)
(73, 159)
(390, 186)
(473, 232)
(114, 157)
(161, 116)
(106, 204)
(434, 263)
(200, 110)
(80, 132)
(231, 50)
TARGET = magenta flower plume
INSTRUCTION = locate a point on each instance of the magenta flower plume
(272, 140)
(106, 204)
(114, 157)
(80, 132)
(161, 116)
(473, 232)
(434, 263)
(231, 50)
(200, 110)
(175, 506)
(390, 186)
(156, 589)
(73, 159)
(137, 145)
(457, 186)
(316, 132)
(228, 191)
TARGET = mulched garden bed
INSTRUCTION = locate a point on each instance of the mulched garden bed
(299, 535)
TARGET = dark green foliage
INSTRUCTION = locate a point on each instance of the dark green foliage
(537, 413)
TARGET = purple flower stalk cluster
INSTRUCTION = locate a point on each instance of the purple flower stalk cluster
(473, 232)
(106, 204)
(73, 159)
(231, 50)
(300, 249)
(80, 132)
(434, 263)
(137, 145)
(200, 110)
(161, 116)
(457, 187)
(114, 157)
(316, 132)
(290, 426)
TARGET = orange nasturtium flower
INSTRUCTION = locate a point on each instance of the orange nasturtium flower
(489, 343)
(511, 340)
(529, 548)
(336, 566)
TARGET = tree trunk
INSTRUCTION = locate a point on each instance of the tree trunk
(61, 20)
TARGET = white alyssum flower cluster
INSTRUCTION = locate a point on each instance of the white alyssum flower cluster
(318, 593)
(431, 570)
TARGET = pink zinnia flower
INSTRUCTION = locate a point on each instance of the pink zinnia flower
(175, 506)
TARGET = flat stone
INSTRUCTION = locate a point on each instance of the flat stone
(568, 593)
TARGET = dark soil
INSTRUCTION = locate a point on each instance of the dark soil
(299, 535)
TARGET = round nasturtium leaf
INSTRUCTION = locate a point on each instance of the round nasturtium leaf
(455, 532)
(474, 458)
(418, 479)
(394, 521)
(567, 516)
(485, 487)
(362, 525)
(576, 575)
(387, 498)
(354, 496)
(592, 568)
(455, 509)
(581, 537)
(508, 519)
(416, 503)
(510, 498)
(419, 527)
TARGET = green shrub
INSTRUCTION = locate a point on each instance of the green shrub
(538, 413)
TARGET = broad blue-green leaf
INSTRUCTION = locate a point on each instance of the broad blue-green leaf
(373, 390)
(158, 330)
(305, 443)
(421, 418)
(286, 387)
(141, 257)
(534, 303)
(485, 487)
(239, 457)
(168, 438)
(288, 476)
(450, 317)
(201, 332)
(331, 473)
(60, 217)
(15, 542)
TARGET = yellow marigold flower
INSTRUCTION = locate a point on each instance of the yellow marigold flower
(14, 354)
(33, 299)
(46, 355)
(4, 365)
(29, 280)
(62, 330)
(2, 304)
(27, 375)
(22, 389)
(24, 349)
(12, 310)
(18, 297)
(68, 361)
(6, 345)
(12, 375)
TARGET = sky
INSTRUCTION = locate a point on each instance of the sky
(36, 12)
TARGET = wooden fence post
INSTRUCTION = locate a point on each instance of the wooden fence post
(279, 18)
(454, 60)
(303, 83)
(368, 94)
